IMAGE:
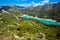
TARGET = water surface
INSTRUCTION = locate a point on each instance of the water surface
(45, 21)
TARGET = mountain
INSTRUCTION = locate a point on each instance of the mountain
(10, 7)
(46, 7)
(51, 11)
(13, 27)
(26, 29)
(56, 6)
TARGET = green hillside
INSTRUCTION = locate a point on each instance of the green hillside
(13, 27)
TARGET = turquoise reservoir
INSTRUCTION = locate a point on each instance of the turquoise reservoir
(45, 21)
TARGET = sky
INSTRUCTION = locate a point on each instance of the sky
(27, 2)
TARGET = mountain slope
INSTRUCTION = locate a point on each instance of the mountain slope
(46, 7)
(49, 11)
(26, 29)
(8, 7)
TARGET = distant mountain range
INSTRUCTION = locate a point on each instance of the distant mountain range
(37, 8)
(46, 7)
(50, 10)
(10, 7)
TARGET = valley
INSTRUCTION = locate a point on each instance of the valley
(30, 23)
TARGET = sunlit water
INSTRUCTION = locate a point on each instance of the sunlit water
(45, 21)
